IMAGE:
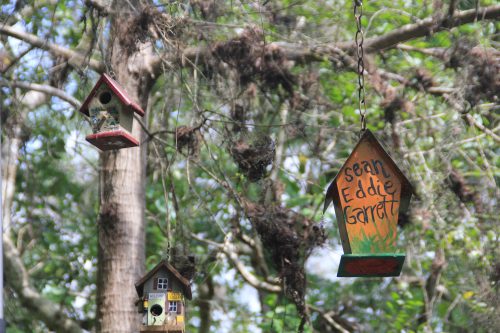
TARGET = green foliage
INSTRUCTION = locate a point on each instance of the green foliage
(198, 190)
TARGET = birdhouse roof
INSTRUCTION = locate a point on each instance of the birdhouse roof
(369, 137)
(117, 90)
(186, 286)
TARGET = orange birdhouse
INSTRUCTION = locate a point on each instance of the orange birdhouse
(111, 112)
(369, 193)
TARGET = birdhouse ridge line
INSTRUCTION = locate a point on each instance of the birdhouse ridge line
(119, 92)
(139, 285)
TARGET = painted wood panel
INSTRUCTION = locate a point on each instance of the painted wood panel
(369, 191)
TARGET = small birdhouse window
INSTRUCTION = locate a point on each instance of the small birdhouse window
(172, 307)
(162, 284)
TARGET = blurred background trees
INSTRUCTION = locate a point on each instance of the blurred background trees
(251, 111)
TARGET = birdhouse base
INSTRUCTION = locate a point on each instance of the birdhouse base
(112, 140)
(172, 328)
(371, 265)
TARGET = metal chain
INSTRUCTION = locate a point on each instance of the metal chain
(167, 254)
(358, 13)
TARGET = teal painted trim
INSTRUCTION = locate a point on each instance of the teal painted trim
(371, 265)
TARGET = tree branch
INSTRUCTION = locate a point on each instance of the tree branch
(44, 89)
(16, 274)
(292, 51)
(100, 6)
(481, 127)
(452, 8)
(17, 278)
(438, 264)
(11, 145)
(14, 62)
(73, 57)
(445, 93)
(428, 26)
(230, 251)
(437, 52)
(301, 53)
(329, 317)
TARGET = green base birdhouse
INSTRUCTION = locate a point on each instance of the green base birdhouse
(369, 193)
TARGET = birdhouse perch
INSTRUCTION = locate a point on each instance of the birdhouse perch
(111, 112)
(368, 193)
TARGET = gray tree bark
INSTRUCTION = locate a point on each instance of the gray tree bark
(121, 223)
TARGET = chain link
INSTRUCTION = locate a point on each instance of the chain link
(358, 14)
(167, 254)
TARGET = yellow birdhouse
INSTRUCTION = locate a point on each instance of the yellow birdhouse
(162, 293)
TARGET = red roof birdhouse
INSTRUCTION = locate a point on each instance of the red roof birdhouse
(111, 113)
(369, 193)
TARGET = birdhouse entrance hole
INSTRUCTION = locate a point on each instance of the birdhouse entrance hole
(156, 310)
(105, 97)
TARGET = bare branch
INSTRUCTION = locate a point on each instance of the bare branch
(454, 144)
(44, 89)
(441, 90)
(229, 250)
(434, 51)
(14, 62)
(429, 25)
(452, 8)
(75, 58)
(16, 274)
(17, 278)
(303, 53)
(432, 282)
(482, 128)
(329, 318)
(101, 7)
(446, 94)
(299, 53)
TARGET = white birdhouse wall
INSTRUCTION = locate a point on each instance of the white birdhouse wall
(107, 113)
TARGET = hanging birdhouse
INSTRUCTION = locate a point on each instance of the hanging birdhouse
(162, 293)
(369, 193)
(111, 113)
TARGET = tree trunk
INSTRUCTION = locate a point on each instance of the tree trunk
(206, 293)
(121, 225)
